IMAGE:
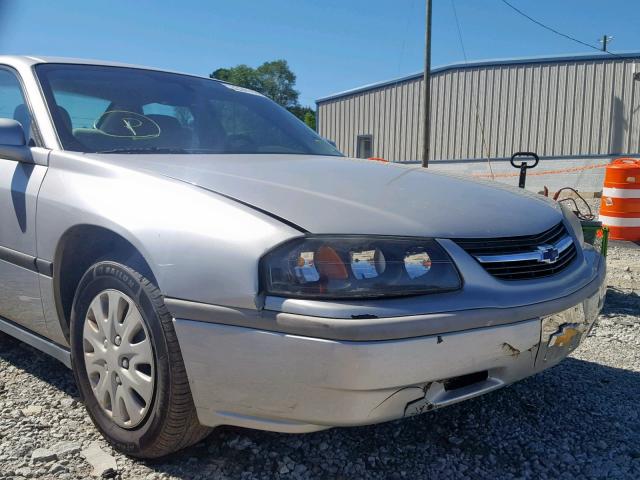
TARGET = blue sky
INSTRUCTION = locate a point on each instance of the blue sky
(331, 45)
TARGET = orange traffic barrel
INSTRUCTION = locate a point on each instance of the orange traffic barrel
(620, 203)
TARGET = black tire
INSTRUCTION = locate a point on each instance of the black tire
(171, 423)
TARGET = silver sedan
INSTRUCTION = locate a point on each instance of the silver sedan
(199, 257)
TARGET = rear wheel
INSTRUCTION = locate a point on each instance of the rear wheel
(128, 364)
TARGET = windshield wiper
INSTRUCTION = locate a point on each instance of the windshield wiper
(145, 150)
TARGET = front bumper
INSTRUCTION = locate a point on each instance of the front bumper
(288, 382)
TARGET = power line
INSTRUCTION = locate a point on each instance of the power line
(455, 15)
(404, 37)
(546, 27)
(477, 106)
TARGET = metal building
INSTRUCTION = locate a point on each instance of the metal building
(578, 107)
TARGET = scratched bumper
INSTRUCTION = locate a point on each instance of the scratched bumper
(289, 383)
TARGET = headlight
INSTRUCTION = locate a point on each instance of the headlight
(356, 267)
(574, 222)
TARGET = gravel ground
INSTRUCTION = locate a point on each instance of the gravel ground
(577, 420)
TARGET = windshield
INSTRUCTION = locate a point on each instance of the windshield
(122, 110)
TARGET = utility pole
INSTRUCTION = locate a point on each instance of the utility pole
(426, 89)
(605, 41)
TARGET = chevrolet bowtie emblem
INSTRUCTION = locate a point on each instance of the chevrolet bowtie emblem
(548, 254)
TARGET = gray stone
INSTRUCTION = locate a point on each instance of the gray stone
(56, 468)
(567, 458)
(23, 471)
(64, 448)
(100, 461)
(32, 410)
(43, 455)
(67, 402)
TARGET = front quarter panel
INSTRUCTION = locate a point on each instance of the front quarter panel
(200, 246)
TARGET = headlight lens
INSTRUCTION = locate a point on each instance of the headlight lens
(356, 267)
(574, 222)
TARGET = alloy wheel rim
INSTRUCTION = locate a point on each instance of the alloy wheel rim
(118, 358)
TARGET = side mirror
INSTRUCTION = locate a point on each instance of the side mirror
(13, 145)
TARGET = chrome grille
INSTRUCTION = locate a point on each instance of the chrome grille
(525, 257)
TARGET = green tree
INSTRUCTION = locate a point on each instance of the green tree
(273, 79)
(310, 119)
(241, 75)
(306, 114)
(277, 81)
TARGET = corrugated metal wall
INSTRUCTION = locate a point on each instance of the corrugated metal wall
(555, 108)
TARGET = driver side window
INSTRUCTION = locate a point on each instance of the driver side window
(12, 104)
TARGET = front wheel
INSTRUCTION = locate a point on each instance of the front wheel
(128, 365)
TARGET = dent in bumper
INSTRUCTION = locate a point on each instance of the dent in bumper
(291, 383)
(562, 333)
(236, 371)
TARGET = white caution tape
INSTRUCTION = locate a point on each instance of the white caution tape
(621, 192)
(620, 221)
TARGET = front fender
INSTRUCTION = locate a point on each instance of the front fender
(199, 245)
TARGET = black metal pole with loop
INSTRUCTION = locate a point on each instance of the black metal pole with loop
(524, 165)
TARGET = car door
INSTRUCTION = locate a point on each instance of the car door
(20, 299)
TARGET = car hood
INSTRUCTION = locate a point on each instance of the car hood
(349, 196)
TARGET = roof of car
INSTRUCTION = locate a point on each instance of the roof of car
(28, 60)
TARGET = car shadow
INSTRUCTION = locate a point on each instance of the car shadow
(19, 184)
(38, 364)
(621, 302)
